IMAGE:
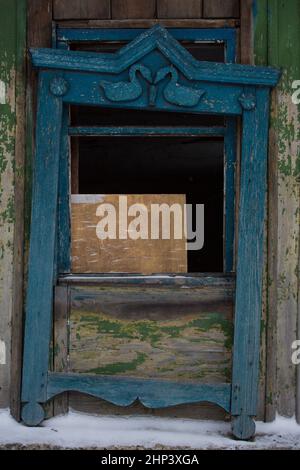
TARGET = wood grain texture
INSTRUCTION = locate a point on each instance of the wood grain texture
(42, 240)
(221, 8)
(97, 406)
(151, 393)
(250, 266)
(130, 9)
(157, 37)
(149, 332)
(91, 255)
(148, 23)
(60, 343)
(88, 404)
(64, 217)
(272, 263)
(17, 319)
(81, 9)
(179, 9)
(246, 32)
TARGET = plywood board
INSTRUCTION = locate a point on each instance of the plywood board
(92, 255)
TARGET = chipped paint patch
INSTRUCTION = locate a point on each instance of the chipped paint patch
(2, 92)
(2, 353)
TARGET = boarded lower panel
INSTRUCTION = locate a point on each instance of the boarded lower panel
(92, 255)
(221, 8)
(179, 9)
(131, 9)
(81, 9)
(159, 333)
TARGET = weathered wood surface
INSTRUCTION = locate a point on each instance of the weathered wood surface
(81, 9)
(278, 45)
(182, 334)
(221, 8)
(152, 393)
(100, 407)
(246, 32)
(60, 343)
(42, 240)
(179, 9)
(138, 9)
(91, 255)
(148, 23)
(250, 265)
(116, 63)
(121, 9)
(18, 243)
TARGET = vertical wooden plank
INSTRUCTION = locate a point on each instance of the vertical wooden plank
(8, 24)
(17, 301)
(132, 9)
(271, 370)
(284, 51)
(230, 145)
(268, 379)
(64, 234)
(250, 265)
(221, 8)
(39, 14)
(298, 337)
(39, 34)
(81, 9)
(42, 250)
(179, 9)
(60, 327)
(246, 32)
(75, 165)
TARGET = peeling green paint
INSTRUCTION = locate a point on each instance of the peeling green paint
(13, 44)
(120, 367)
(276, 43)
(195, 346)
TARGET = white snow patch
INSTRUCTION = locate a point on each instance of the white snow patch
(77, 430)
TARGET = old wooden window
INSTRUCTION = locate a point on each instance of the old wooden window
(192, 155)
(133, 336)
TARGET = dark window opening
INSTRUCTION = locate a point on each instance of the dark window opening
(165, 165)
(209, 51)
(109, 117)
(193, 166)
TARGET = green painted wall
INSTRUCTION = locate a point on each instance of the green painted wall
(12, 44)
(277, 43)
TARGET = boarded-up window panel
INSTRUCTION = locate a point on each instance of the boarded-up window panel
(81, 9)
(179, 9)
(221, 8)
(145, 256)
(133, 9)
(152, 333)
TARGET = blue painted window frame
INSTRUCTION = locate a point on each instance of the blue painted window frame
(63, 39)
(67, 78)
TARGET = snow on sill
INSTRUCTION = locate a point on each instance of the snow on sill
(77, 430)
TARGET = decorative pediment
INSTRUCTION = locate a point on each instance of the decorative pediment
(157, 38)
